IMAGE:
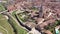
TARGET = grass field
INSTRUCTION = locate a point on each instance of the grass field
(19, 16)
(5, 27)
(17, 28)
(2, 8)
(2, 31)
(13, 13)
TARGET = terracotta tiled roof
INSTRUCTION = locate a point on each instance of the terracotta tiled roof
(30, 24)
(47, 31)
(58, 27)
(11, 7)
(47, 4)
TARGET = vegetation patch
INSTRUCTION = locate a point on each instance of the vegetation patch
(2, 8)
(5, 27)
(17, 29)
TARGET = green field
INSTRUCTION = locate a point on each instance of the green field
(10, 26)
(2, 8)
(5, 27)
(2, 31)
(19, 16)
(17, 28)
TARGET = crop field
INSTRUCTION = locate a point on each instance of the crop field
(5, 27)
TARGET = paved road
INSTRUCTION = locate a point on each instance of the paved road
(3, 11)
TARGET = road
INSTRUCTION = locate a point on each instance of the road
(3, 11)
(7, 13)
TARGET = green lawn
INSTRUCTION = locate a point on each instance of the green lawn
(5, 26)
(2, 8)
(17, 28)
(13, 14)
(20, 18)
(2, 31)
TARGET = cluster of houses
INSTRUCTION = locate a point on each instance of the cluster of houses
(48, 13)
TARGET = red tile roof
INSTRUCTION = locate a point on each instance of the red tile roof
(47, 31)
(11, 7)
